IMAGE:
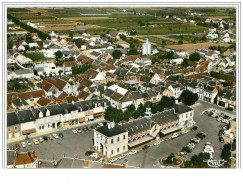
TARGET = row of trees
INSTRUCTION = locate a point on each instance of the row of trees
(116, 115)
(41, 34)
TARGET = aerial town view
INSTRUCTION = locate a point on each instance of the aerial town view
(121, 87)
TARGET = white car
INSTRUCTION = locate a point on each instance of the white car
(184, 132)
(74, 131)
(23, 144)
(191, 145)
(79, 130)
(94, 155)
(112, 160)
(225, 127)
(133, 152)
(156, 143)
(41, 140)
(29, 143)
(122, 156)
(219, 119)
(55, 136)
(195, 140)
(174, 135)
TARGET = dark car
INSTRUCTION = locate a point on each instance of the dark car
(145, 147)
(61, 135)
(45, 138)
(220, 132)
(194, 128)
(88, 153)
(221, 139)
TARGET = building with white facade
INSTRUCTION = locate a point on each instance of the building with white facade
(146, 48)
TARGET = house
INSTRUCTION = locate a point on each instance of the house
(19, 104)
(146, 62)
(13, 125)
(23, 73)
(22, 59)
(27, 122)
(185, 113)
(227, 99)
(212, 56)
(43, 101)
(16, 159)
(111, 140)
(21, 48)
(176, 89)
(176, 61)
(209, 94)
(182, 54)
(31, 45)
(46, 44)
(123, 44)
(67, 67)
(137, 98)
(212, 36)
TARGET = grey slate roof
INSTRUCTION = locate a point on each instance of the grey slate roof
(164, 117)
(19, 102)
(25, 116)
(136, 95)
(12, 119)
(181, 108)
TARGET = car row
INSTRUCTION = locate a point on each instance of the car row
(220, 116)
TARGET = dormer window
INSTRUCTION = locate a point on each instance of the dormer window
(79, 109)
(66, 111)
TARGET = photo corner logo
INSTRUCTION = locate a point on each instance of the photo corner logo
(215, 163)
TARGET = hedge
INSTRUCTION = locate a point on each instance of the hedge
(41, 34)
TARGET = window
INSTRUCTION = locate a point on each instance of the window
(124, 136)
(124, 147)
(118, 150)
(9, 130)
(112, 141)
(15, 128)
(118, 139)
(111, 151)
(191, 114)
(186, 115)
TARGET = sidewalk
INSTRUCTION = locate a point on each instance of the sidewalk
(22, 138)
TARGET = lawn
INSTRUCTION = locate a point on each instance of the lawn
(35, 56)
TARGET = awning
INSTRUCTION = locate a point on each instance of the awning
(82, 120)
(28, 131)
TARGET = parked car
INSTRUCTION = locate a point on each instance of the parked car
(29, 143)
(61, 135)
(195, 140)
(35, 141)
(40, 139)
(225, 127)
(145, 147)
(191, 145)
(181, 153)
(122, 156)
(174, 135)
(201, 135)
(88, 153)
(74, 131)
(79, 130)
(156, 143)
(184, 132)
(133, 152)
(23, 144)
(55, 136)
(45, 138)
(112, 160)
(94, 155)
(51, 137)
(221, 139)
(17, 146)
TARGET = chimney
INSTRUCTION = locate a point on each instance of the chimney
(86, 164)
(125, 164)
(112, 124)
(109, 125)
(53, 164)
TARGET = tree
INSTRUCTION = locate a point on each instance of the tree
(71, 35)
(131, 108)
(194, 56)
(188, 98)
(197, 161)
(180, 42)
(80, 69)
(184, 63)
(123, 37)
(58, 54)
(39, 13)
(116, 54)
(226, 153)
(133, 51)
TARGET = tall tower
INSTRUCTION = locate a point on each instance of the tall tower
(146, 47)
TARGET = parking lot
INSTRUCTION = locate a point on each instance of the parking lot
(75, 145)
(150, 157)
